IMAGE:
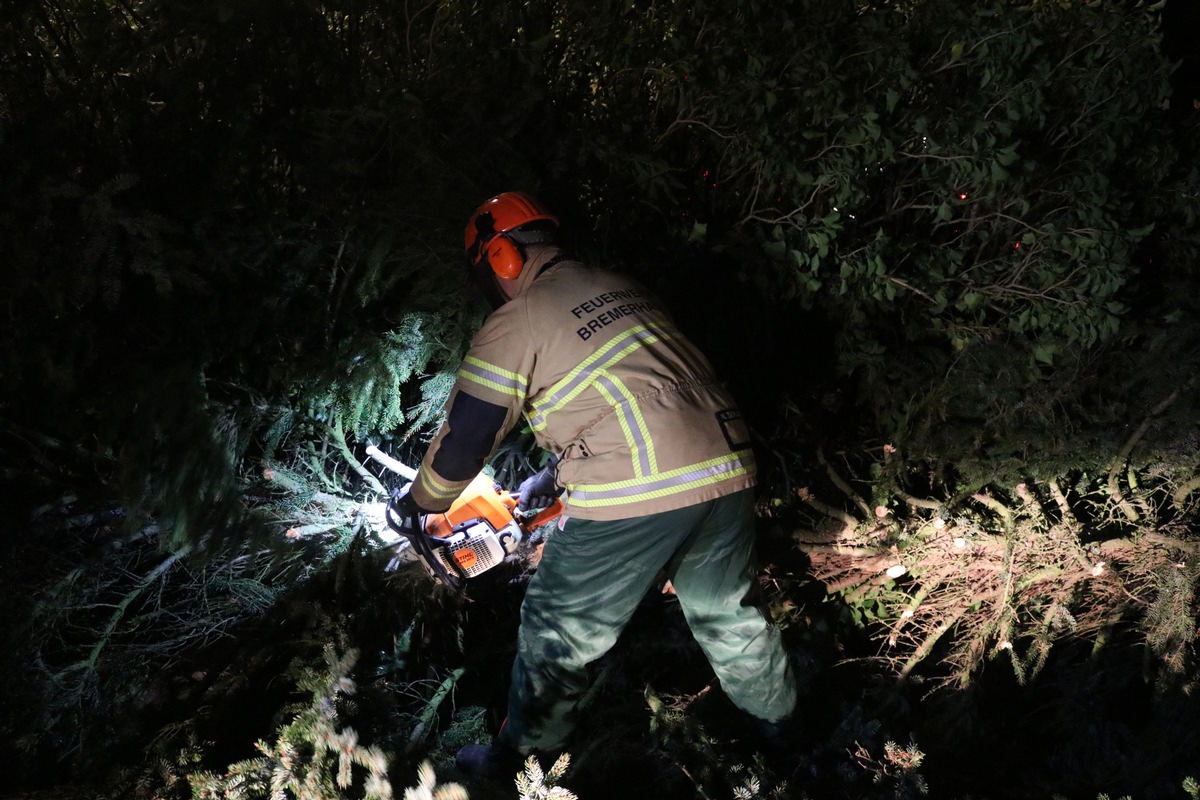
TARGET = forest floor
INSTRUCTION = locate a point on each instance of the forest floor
(1096, 718)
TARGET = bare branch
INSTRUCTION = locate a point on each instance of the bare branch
(841, 484)
(1114, 486)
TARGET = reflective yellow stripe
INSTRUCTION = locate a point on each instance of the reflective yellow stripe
(629, 415)
(649, 445)
(636, 490)
(493, 377)
(439, 490)
(580, 378)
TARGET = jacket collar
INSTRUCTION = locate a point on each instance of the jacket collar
(539, 257)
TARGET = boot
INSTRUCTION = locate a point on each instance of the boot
(782, 743)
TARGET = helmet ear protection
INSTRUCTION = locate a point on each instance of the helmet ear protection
(504, 256)
(487, 242)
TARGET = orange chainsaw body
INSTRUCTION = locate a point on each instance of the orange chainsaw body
(481, 527)
(480, 500)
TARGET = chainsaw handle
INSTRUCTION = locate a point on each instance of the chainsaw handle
(396, 521)
(547, 514)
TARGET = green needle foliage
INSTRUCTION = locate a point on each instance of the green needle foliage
(311, 758)
(535, 784)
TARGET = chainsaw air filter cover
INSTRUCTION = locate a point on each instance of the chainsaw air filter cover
(472, 551)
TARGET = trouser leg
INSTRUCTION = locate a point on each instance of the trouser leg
(713, 573)
(588, 583)
(592, 577)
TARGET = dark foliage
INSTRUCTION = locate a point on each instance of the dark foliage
(944, 253)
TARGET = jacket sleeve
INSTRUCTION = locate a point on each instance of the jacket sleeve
(485, 403)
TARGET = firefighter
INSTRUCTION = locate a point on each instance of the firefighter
(656, 465)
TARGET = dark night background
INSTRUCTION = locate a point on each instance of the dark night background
(945, 255)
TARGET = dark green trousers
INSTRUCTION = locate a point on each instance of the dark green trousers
(592, 577)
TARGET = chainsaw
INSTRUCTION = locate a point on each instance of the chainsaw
(481, 530)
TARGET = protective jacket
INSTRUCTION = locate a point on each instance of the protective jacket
(607, 383)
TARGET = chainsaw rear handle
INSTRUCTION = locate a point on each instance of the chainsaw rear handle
(404, 524)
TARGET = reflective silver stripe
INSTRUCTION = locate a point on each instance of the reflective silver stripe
(493, 377)
(625, 407)
(582, 376)
(636, 490)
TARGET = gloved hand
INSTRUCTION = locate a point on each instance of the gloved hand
(540, 490)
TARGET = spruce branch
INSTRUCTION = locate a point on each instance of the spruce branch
(1004, 512)
(310, 759)
(1064, 508)
(920, 502)
(398, 467)
(927, 644)
(535, 784)
(849, 523)
(841, 484)
(1180, 495)
(1122, 458)
(427, 787)
(339, 441)
(429, 714)
(144, 584)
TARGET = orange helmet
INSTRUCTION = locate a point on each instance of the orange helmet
(506, 212)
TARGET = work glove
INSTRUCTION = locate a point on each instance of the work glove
(540, 490)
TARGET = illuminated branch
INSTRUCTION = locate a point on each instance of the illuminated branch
(905, 285)
(1002, 511)
(849, 523)
(1114, 487)
(868, 574)
(919, 502)
(1181, 494)
(815, 544)
(398, 467)
(1060, 500)
(840, 483)
(926, 647)
(339, 439)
